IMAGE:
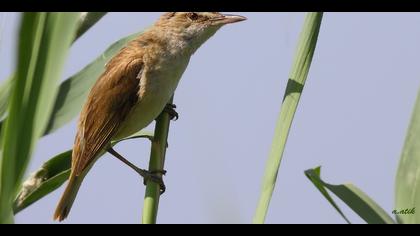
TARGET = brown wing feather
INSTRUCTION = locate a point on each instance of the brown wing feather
(110, 100)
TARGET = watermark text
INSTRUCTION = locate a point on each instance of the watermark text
(407, 211)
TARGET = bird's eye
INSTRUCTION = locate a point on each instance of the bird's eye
(193, 16)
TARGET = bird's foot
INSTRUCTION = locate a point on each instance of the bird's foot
(154, 176)
(170, 109)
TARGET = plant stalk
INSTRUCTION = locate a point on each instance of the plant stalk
(156, 163)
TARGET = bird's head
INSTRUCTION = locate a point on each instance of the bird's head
(195, 27)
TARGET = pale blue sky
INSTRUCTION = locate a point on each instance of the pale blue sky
(352, 120)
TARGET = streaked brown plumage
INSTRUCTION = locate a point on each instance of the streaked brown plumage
(135, 87)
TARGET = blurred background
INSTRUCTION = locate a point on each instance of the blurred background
(352, 120)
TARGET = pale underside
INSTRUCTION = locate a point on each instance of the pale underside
(160, 85)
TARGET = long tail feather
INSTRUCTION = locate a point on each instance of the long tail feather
(69, 195)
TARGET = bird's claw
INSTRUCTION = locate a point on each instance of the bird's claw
(155, 176)
(170, 109)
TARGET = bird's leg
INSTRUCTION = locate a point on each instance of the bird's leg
(170, 109)
(154, 176)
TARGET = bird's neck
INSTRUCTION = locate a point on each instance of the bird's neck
(177, 45)
(181, 43)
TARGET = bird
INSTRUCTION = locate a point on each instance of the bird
(135, 87)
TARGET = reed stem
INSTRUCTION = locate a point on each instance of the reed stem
(156, 163)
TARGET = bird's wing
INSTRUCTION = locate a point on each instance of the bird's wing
(109, 102)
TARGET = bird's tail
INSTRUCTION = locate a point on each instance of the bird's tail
(69, 195)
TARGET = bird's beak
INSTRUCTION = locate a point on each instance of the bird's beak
(228, 19)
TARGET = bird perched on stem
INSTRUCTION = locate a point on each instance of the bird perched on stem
(134, 89)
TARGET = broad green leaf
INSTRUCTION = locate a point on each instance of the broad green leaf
(44, 40)
(407, 186)
(74, 90)
(52, 175)
(357, 200)
(298, 75)
(314, 175)
(48, 178)
(4, 96)
(85, 21)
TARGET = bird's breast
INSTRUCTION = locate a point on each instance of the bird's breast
(157, 85)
